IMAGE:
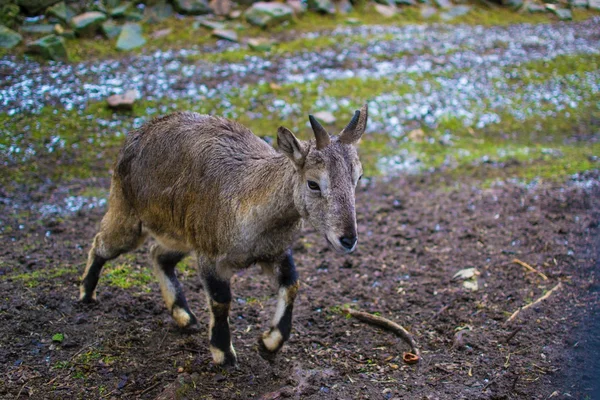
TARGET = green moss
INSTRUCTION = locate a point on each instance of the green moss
(125, 276)
(35, 278)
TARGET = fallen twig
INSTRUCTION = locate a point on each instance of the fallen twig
(513, 333)
(530, 268)
(409, 358)
(544, 297)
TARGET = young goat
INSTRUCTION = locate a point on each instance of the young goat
(208, 185)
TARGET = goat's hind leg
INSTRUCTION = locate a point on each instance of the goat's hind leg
(164, 262)
(272, 340)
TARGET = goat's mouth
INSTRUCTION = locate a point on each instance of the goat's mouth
(338, 247)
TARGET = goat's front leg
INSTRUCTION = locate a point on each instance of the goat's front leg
(281, 326)
(218, 297)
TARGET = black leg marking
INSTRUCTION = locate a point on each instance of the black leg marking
(90, 279)
(219, 300)
(273, 339)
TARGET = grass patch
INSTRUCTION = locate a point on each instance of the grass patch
(126, 275)
(35, 278)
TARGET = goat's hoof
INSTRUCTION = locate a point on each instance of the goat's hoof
(265, 353)
(185, 320)
(223, 359)
(88, 299)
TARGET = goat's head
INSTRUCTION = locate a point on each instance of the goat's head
(328, 169)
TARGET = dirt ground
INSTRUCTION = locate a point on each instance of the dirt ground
(415, 233)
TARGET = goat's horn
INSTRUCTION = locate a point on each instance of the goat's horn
(354, 130)
(350, 128)
(321, 134)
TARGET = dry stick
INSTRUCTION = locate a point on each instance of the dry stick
(544, 297)
(530, 268)
(389, 325)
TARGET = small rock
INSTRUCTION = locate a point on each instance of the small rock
(455, 12)
(386, 11)
(161, 33)
(428, 12)
(325, 117)
(513, 4)
(225, 34)
(51, 47)
(578, 3)
(536, 8)
(158, 12)
(123, 102)
(192, 7)
(209, 24)
(235, 14)
(417, 136)
(564, 14)
(298, 6)
(120, 10)
(352, 21)
(466, 273)
(130, 37)
(88, 23)
(66, 33)
(344, 7)
(9, 38)
(61, 11)
(38, 28)
(594, 5)
(321, 6)
(443, 3)
(260, 44)
(110, 29)
(221, 7)
(268, 14)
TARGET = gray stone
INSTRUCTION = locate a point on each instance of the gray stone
(87, 24)
(225, 34)
(161, 33)
(120, 10)
(428, 12)
(260, 44)
(564, 14)
(192, 7)
(443, 3)
(110, 29)
(594, 5)
(61, 11)
(123, 102)
(298, 6)
(35, 7)
(386, 11)
(9, 38)
(235, 14)
(513, 4)
(352, 21)
(535, 8)
(454, 12)
(325, 117)
(158, 12)
(130, 37)
(98, 6)
(221, 7)
(51, 47)
(38, 28)
(344, 7)
(321, 6)
(268, 14)
(210, 24)
(578, 3)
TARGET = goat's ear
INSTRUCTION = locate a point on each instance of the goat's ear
(289, 145)
(355, 129)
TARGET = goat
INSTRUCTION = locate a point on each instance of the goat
(208, 185)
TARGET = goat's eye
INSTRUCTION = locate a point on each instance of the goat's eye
(360, 177)
(312, 185)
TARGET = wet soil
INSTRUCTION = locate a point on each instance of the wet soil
(414, 237)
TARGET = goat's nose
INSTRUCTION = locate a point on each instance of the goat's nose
(348, 241)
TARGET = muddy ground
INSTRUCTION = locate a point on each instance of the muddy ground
(415, 234)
